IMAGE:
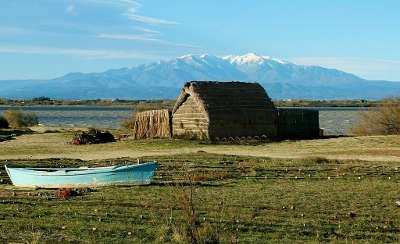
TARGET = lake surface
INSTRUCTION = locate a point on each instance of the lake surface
(337, 120)
(77, 116)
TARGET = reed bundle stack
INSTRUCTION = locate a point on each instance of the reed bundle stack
(153, 124)
(296, 123)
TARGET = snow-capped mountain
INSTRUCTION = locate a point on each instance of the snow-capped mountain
(163, 79)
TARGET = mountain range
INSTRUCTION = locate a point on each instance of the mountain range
(163, 79)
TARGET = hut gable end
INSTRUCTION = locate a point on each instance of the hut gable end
(189, 117)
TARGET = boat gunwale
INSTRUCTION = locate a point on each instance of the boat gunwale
(75, 171)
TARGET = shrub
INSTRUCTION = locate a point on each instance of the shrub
(3, 122)
(19, 118)
(384, 120)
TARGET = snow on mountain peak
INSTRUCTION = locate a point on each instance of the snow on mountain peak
(275, 59)
(186, 57)
(245, 59)
(250, 58)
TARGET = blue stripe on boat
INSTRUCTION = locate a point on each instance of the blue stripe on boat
(82, 177)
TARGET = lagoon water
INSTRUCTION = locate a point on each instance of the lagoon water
(77, 116)
(339, 120)
(334, 120)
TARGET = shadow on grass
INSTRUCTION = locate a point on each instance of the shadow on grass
(10, 134)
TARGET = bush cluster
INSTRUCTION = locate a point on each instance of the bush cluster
(384, 120)
(20, 118)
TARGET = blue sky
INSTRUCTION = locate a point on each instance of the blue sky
(48, 38)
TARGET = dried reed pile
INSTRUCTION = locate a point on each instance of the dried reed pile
(153, 124)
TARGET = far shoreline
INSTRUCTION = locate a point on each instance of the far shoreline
(169, 103)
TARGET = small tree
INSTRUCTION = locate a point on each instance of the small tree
(383, 120)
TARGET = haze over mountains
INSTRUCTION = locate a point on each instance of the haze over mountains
(163, 79)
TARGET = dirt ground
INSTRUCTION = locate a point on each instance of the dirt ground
(42, 145)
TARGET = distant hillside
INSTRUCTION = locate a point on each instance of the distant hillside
(163, 79)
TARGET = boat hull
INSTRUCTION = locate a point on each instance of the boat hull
(140, 174)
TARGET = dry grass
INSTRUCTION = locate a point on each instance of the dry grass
(384, 120)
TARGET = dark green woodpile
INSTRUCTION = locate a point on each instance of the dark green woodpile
(297, 123)
(215, 110)
(153, 124)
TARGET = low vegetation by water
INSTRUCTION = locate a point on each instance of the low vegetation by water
(46, 101)
(234, 199)
(326, 103)
(385, 120)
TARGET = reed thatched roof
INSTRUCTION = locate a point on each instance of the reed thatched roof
(215, 95)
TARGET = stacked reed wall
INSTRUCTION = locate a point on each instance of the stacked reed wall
(296, 123)
(153, 124)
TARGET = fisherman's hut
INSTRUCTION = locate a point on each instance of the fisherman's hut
(212, 110)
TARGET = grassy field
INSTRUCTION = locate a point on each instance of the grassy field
(240, 193)
(236, 199)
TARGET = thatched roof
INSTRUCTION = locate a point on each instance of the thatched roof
(216, 95)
